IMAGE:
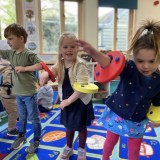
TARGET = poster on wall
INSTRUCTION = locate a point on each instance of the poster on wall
(30, 24)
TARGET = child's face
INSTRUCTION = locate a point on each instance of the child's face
(144, 61)
(14, 41)
(69, 49)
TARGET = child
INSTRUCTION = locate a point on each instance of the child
(45, 98)
(7, 98)
(24, 63)
(10, 106)
(3, 113)
(76, 108)
(139, 86)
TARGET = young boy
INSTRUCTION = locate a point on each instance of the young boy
(24, 62)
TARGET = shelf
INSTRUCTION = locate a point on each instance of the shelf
(104, 89)
(91, 66)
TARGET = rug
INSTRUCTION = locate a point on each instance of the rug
(53, 141)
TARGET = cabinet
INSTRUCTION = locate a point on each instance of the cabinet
(104, 89)
(91, 66)
(113, 85)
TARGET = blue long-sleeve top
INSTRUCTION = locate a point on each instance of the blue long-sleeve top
(134, 94)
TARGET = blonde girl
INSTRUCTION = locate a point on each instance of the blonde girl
(76, 107)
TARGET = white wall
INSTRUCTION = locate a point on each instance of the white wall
(146, 9)
(91, 22)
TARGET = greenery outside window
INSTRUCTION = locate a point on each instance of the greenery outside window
(7, 15)
(58, 16)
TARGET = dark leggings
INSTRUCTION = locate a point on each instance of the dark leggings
(82, 134)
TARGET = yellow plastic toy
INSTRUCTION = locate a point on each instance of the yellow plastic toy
(154, 114)
(86, 88)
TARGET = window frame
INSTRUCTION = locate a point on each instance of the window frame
(62, 21)
(20, 13)
(131, 26)
(81, 21)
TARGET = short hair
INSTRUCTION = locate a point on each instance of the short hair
(16, 30)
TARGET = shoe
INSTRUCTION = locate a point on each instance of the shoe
(13, 132)
(81, 154)
(33, 147)
(19, 141)
(67, 152)
(3, 114)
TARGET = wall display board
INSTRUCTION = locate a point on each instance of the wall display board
(29, 9)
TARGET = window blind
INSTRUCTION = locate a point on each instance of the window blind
(127, 4)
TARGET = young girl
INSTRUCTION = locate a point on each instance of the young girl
(76, 108)
(139, 86)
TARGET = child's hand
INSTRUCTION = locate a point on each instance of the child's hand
(86, 47)
(102, 59)
(19, 69)
(154, 125)
(43, 78)
(64, 104)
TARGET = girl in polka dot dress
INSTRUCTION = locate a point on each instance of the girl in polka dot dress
(139, 86)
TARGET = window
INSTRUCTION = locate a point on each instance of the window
(114, 28)
(71, 16)
(106, 26)
(50, 12)
(7, 15)
(57, 16)
(122, 29)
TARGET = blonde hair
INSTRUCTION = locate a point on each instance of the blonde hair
(146, 37)
(60, 63)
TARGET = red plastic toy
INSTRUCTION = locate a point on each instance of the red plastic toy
(104, 75)
(45, 67)
(156, 3)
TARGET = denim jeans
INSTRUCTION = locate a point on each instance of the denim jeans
(28, 110)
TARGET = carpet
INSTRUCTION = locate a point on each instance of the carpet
(53, 141)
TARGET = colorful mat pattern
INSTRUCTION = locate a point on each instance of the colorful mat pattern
(53, 141)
